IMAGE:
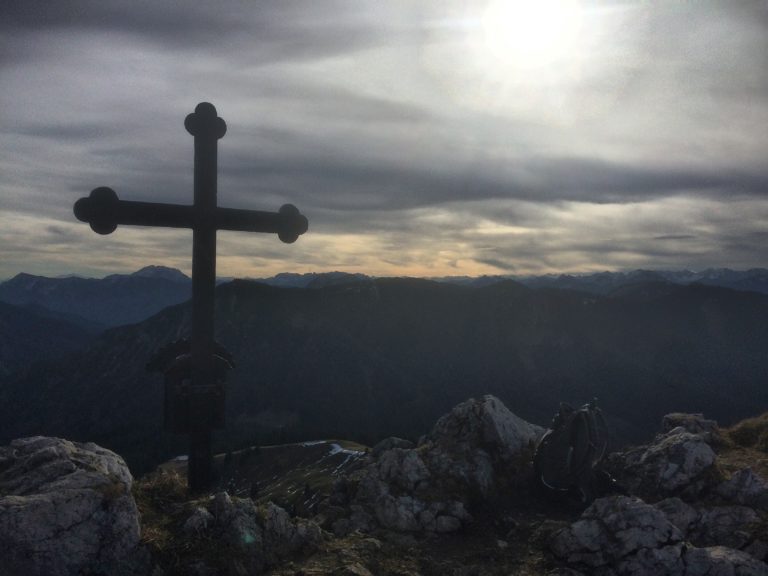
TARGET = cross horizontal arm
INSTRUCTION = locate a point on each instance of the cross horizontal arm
(103, 210)
(288, 223)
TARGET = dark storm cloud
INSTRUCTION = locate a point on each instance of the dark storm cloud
(348, 185)
(601, 181)
(83, 131)
(280, 31)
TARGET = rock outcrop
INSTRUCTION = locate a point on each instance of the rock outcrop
(677, 462)
(248, 538)
(745, 487)
(693, 521)
(622, 535)
(471, 453)
(480, 444)
(66, 508)
(693, 423)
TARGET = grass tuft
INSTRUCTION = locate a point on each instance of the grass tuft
(156, 495)
(751, 433)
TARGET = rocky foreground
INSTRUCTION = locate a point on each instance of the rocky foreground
(461, 501)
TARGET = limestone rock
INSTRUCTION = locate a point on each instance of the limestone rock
(682, 515)
(693, 423)
(758, 549)
(485, 422)
(676, 463)
(221, 506)
(620, 535)
(402, 468)
(730, 526)
(399, 513)
(745, 487)
(479, 442)
(623, 535)
(389, 443)
(284, 536)
(721, 561)
(258, 536)
(468, 452)
(444, 524)
(355, 569)
(198, 523)
(66, 508)
(407, 513)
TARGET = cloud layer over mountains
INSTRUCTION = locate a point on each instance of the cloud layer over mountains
(413, 145)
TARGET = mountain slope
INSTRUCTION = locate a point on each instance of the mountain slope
(28, 335)
(112, 301)
(388, 356)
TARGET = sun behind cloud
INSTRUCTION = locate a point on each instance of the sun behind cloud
(524, 35)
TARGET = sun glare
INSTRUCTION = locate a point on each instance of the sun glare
(528, 34)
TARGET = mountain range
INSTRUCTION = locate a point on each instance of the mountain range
(95, 304)
(118, 299)
(371, 358)
(755, 279)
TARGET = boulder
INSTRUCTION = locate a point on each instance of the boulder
(478, 443)
(721, 561)
(732, 526)
(257, 537)
(693, 423)
(485, 423)
(197, 524)
(402, 468)
(471, 451)
(284, 536)
(66, 508)
(682, 515)
(677, 463)
(620, 535)
(745, 487)
(397, 508)
(389, 443)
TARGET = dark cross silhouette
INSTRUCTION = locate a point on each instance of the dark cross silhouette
(104, 211)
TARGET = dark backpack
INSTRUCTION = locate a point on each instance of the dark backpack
(568, 457)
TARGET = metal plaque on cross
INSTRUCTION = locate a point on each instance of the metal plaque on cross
(104, 211)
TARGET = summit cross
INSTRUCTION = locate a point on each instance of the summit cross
(104, 211)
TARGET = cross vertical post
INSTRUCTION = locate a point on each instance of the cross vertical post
(207, 128)
(104, 211)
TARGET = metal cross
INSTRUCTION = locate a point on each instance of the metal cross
(104, 211)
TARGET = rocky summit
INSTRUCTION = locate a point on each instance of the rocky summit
(460, 501)
(67, 508)
(473, 453)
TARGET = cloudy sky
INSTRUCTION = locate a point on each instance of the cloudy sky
(420, 138)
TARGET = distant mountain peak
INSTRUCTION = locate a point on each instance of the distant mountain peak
(312, 279)
(162, 272)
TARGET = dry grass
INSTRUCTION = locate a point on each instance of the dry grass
(113, 490)
(744, 445)
(157, 495)
(751, 433)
